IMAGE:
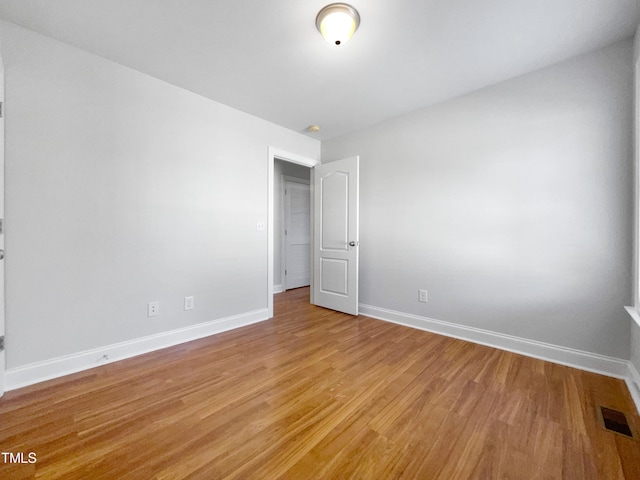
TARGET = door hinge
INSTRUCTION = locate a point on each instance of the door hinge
(285, 232)
(2, 343)
(1, 109)
(285, 272)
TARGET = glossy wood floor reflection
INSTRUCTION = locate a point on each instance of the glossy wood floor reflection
(314, 394)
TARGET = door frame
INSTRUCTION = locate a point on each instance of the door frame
(283, 246)
(3, 364)
(279, 154)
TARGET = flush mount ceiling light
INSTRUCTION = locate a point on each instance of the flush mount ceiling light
(337, 23)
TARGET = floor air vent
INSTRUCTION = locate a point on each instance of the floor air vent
(614, 421)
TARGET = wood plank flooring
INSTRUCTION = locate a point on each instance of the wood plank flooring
(315, 394)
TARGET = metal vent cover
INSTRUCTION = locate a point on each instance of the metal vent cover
(614, 421)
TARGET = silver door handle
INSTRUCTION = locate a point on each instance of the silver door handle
(352, 243)
(1, 254)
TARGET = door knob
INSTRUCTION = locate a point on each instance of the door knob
(352, 243)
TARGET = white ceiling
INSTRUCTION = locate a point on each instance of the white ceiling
(266, 57)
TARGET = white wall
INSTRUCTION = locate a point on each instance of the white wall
(512, 206)
(122, 189)
(291, 170)
(635, 328)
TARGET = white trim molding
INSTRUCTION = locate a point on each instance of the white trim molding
(633, 377)
(273, 154)
(278, 288)
(633, 312)
(77, 362)
(592, 362)
(633, 383)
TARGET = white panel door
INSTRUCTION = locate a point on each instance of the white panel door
(297, 238)
(335, 259)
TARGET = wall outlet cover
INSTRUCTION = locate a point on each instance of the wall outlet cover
(423, 296)
(188, 303)
(153, 309)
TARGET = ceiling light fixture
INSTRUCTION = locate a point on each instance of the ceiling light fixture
(337, 23)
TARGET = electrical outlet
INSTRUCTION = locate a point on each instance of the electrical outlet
(153, 309)
(422, 296)
(260, 226)
(188, 303)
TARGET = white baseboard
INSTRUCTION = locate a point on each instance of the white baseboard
(65, 365)
(633, 382)
(76, 362)
(278, 288)
(592, 362)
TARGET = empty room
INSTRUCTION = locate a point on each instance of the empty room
(314, 240)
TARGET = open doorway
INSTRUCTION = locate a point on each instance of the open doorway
(292, 226)
(291, 162)
(334, 240)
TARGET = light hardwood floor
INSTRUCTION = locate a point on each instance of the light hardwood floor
(315, 394)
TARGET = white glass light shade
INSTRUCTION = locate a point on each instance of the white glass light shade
(337, 23)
